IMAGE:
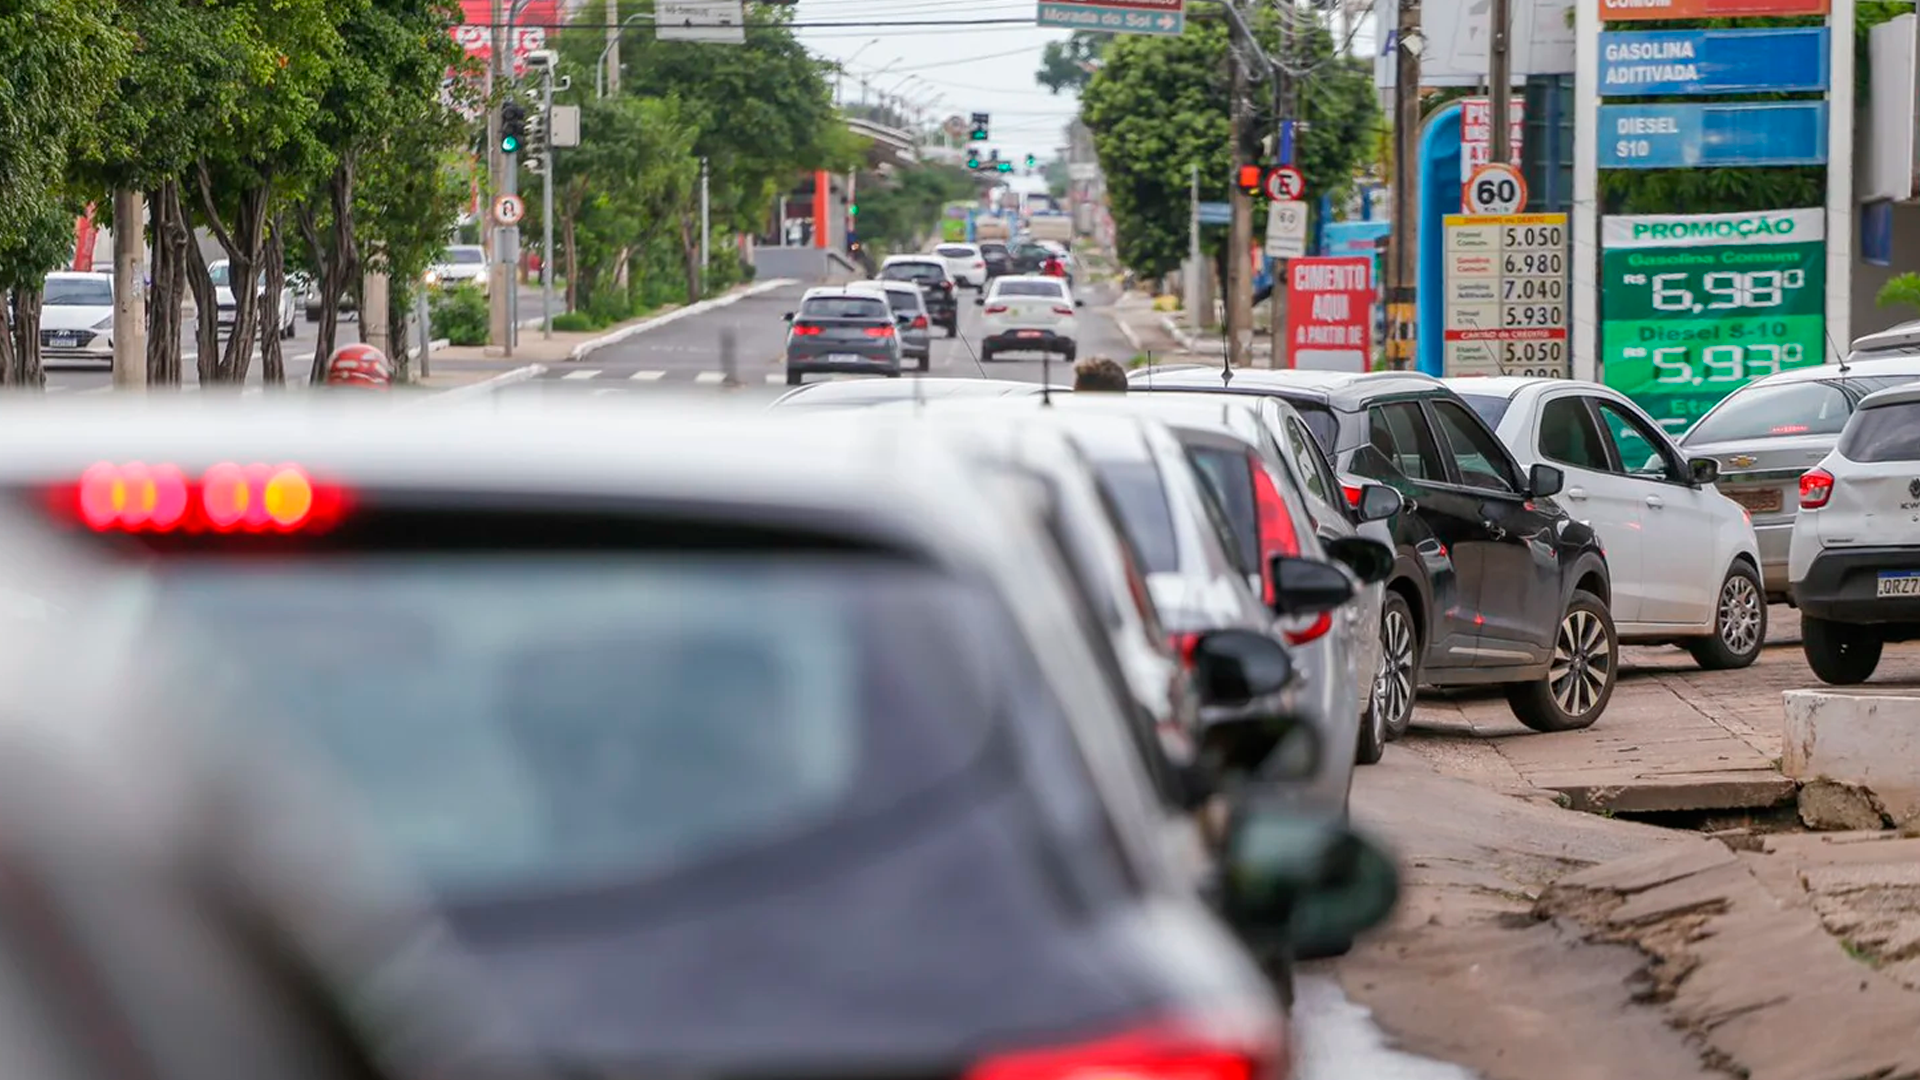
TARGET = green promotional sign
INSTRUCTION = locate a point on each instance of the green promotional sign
(1695, 306)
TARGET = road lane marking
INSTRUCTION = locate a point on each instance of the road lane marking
(776, 377)
(647, 376)
(709, 377)
(590, 373)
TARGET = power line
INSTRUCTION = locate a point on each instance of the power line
(1026, 21)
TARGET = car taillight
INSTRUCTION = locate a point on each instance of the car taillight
(996, 309)
(1277, 537)
(1062, 309)
(919, 322)
(136, 497)
(1184, 646)
(805, 330)
(1170, 1053)
(1352, 492)
(879, 331)
(1816, 487)
(946, 286)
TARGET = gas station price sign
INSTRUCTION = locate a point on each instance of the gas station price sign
(1694, 307)
(1507, 303)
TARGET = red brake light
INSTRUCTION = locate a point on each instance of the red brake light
(879, 331)
(919, 322)
(996, 309)
(1184, 646)
(1062, 309)
(805, 329)
(1788, 429)
(1275, 525)
(1317, 629)
(136, 497)
(1816, 487)
(1151, 1054)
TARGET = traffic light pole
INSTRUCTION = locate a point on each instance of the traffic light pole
(546, 206)
(499, 280)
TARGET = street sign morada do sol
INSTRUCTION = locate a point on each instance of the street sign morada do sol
(1700, 305)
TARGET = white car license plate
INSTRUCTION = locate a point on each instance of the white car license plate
(63, 341)
(1028, 333)
(844, 358)
(1900, 583)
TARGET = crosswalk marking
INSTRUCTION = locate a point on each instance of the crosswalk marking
(648, 376)
(708, 377)
(590, 373)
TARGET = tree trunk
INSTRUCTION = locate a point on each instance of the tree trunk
(26, 335)
(170, 237)
(399, 342)
(273, 368)
(339, 258)
(243, 246)
(690, 248)
(572, 257)
(206, 328)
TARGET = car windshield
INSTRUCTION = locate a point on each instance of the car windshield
(1883, 433)
(1489, 407)
(217, 272)
(1047, 289)
(464, 256)
(527, 721)
(1815, 407)
(77, 292)
(914, 271)
(1135, 488)
(844, 307)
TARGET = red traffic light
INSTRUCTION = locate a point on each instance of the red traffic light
(1250, 178)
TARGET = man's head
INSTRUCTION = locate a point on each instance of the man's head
(1099, 373)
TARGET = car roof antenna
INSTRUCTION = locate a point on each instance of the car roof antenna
(1842, 357)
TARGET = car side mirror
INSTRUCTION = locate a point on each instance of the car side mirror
(788, 316)
(1378, 502)
(1370, 560)
(1308, 586)
(1704, 470)
(903, 319)
(1545, 480)
(979, 301)
(1079, 302)
(1299, 882)
(1233, 667)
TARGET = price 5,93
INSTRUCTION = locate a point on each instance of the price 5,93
(1533, 315)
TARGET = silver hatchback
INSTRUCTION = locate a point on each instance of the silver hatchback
(841, 331)
(910, 312)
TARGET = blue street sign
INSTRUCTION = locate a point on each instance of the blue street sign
(1692, 62)
(1705, 136)
(1116, 17)
(1215, 213)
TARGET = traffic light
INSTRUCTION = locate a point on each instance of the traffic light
(853, 209)
(513, 127)
(973, 159)
(1250, 179)
(1004, 166)
(1030, 161)
(979, 133)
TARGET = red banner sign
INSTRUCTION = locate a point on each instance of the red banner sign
(1330, 313)
(475, 34)
(1643, 10)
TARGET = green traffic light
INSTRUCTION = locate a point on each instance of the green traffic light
(853, 211)
(509, 144)
(1006, 166)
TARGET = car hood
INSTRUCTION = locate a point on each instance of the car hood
(73, 316)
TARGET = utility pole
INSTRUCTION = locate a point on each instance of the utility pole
(1500, 80)
(1240, 230)
(612, 59)
(1196, 269)
(1403, 270)
(546, 202)
(129, 290)
(706, 222)
(1283, 154)
(499, 275)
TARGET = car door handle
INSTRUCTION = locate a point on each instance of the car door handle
(1576, 493)
(1493, 530)
(1656, 501)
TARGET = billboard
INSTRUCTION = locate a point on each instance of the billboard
(1330, 313)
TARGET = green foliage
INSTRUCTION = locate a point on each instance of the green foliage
(899, 213)
(1068, 65)
(1158, 107)
(458, 314)
(1901, 289)
(574, 322)
(61, 59)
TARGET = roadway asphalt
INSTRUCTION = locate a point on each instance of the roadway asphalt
(689, 353)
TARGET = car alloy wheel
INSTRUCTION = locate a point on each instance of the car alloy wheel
(1739, 616)
(1393, 687)
(1582, 663)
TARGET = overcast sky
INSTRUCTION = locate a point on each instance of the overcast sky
(959, 69)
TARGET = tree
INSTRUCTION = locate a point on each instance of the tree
(1068, 65)
(901, 211)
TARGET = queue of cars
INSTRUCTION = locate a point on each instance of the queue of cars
(734, 743)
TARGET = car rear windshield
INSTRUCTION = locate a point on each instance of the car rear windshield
(464, 256)
(1226, 474)
(903, 299)
(844, 307)
(951, 252)
(917, 271)
(1488, 407)
(1321, 422)
(539, 721)
(1047, 289)
(1777, 411)
(1135, 488)
(1883, 433)
(74, 292)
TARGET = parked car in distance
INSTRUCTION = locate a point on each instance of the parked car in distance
(1682, 557)
(1767, 434)
(1495, 584)
(838, 330)
(76, 317)
(220, 270)
(937, 288)
(1023, 313)
(460, 264)
(866, 393)
(1854, 560)
(966, 264)
(910, 312)
(997, 258)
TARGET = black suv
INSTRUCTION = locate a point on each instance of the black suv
(936, 286)
(1494, 583)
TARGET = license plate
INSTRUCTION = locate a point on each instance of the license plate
(844, 358)
(1756, 500)
(63, 341)
(1899, 583)
(1028, 333)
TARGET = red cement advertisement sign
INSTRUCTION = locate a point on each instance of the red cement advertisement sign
(1330, 313)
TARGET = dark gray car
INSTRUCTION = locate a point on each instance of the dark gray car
(840, 331)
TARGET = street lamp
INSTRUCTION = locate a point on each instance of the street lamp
(600, 66)
(840, 68)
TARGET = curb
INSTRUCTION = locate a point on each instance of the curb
(488, 386)
(581, 350)
(1174, 330)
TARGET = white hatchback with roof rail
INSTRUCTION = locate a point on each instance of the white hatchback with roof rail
(1855, 558)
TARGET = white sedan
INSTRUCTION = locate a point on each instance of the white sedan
(220, 271)
(1683, 558)
(965, 264)
(1028, 314)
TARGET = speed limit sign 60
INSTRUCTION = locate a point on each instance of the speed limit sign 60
(1495, 188)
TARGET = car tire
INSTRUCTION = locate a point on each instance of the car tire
(1372, 743)
(794, 378)
(1400, 663)
(926, 362)
(1585, 639)
(1840, 654)
(1069, 354)
(1739, 623)
(986, 355)
(953, 328)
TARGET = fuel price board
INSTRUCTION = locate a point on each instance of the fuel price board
(1507, 303)
(1696, 306)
